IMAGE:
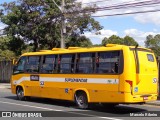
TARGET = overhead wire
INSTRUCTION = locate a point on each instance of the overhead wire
(97, 1)
(138, 4)
(135, 6)
(147, 11)
(128, 5)
(124, 6)
(121, 6)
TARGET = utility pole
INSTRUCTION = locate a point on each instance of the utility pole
(63, 25)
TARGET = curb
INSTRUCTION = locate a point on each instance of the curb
(153, 103)
(5, 86)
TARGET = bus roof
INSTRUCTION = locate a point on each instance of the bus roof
(108, 47)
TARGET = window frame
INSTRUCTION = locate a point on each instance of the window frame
(150, 55)
(16, 66)
(72, 63)
(75, 63)
(39, 66)
(120, 63)
(93, 62)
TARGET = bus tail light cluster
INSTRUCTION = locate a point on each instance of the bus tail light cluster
(130, 83)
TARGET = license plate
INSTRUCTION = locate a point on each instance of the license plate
(145, 98)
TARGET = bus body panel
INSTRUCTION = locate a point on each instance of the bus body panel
(125, 87)
(147, 77)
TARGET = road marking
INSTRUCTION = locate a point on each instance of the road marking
(30, 106)
(89, 115)
(2, 87)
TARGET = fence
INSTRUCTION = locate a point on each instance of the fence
(5, 71)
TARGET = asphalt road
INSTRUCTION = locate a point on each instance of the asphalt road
(63, 110)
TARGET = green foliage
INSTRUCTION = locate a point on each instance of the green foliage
(5, 53)
(153, 42)
(129, 41)
(80, 41)
(17, 45)
(39, 21)
(97, 45)
(4, 43)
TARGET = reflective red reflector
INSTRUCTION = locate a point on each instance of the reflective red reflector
(129, 82)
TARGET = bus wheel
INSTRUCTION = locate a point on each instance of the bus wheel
(20, 93)
(81, 100)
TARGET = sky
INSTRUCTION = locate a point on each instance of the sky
(137, 26)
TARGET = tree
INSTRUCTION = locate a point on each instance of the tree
(39, 21)
(97, 45)
(113, 39)
(129, 41)
(117, 40)
(80, 41)
(5, 53)
(153, 42)
(17, 45)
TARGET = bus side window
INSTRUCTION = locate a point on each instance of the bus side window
(67, 63)
(103, 65)
(108, 62)
(85, 63)
(33, 64)
(49, 64)
(19, 68)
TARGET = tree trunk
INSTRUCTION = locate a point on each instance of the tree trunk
(36, 45)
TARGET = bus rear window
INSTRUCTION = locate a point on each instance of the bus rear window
(150, 57)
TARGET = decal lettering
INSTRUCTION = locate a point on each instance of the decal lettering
(75, 80)
(34, 77)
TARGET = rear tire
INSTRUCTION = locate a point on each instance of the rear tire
(81, 100)
(20, 93)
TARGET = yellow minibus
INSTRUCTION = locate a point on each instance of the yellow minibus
(114, 74)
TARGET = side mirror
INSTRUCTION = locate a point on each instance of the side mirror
(14, 62)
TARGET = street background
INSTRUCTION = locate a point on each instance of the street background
(68, 110)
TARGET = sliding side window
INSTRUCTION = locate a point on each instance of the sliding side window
(66, 62)
(108, 62)
(85, 63)
(49, 64)
(33, 64)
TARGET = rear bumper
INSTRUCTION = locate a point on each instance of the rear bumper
(121, 97)
(145, 97)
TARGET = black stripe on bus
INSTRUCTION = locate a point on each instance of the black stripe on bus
(137, 59)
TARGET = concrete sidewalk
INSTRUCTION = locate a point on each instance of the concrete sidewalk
(157, 103)
(8, 86)
(5, 85)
